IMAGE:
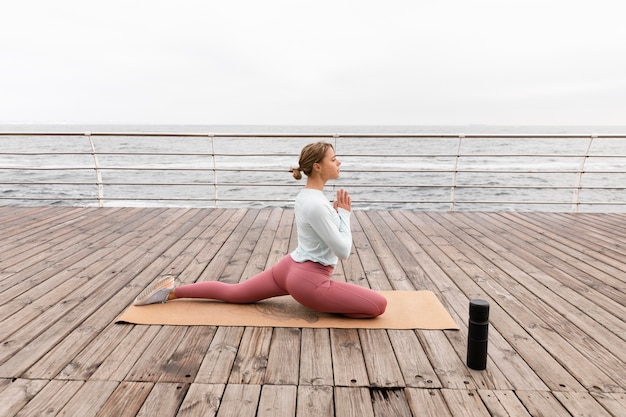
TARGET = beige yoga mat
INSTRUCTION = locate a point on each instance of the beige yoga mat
(405, 310)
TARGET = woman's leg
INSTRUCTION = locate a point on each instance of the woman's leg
(310, 284)
(256, 288)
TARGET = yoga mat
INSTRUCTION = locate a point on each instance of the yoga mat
(405, 310)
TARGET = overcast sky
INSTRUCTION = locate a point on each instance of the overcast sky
(526, 62)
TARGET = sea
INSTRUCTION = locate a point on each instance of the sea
(374, 182)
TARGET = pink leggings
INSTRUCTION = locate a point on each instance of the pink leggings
(309, 283)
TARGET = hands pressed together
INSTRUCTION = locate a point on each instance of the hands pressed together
(343, 200)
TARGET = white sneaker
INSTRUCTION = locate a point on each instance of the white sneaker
(157, 292)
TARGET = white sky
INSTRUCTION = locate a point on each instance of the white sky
(547, 62)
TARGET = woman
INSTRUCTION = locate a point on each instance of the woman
(323, 236)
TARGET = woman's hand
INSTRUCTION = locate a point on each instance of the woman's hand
(343, 200)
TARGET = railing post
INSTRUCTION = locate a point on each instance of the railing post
(335, 137)
(215, 196)
(579, 177)
(99, 183)
(455, 171)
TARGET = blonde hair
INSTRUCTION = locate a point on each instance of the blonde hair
(312, 153)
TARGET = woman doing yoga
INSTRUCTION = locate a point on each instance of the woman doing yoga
(324, 236)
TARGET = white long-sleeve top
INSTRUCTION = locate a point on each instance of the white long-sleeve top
(323, 234)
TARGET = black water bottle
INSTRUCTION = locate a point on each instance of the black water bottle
(477, 335)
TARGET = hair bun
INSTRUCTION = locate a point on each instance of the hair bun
(297, 174)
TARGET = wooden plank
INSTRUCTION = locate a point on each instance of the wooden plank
(153, 363)
(195, 242)
(169, 258)
(439, 266)
(615, 403)
(465, 403)
(382, 262)
(215, 235)
(315, 401)
(240, 400)
(35, 240)
(67, 355)
(390, 402)
(242, 243)
(55, 290)
(281, 242)
(448, 365)
(16, 395)
(503, 403)
(570, 345)
(126, 400)
(516, 334)
(87, 362)
(278, 401)
(182, 364)
(37, 277)
(220, 356)
(427, 402)
(262, 244)
(592, 304)
(541, 403)
(561, 258)
(565, 277)
(371, 266)
(284, 357)
(121, 360)
(581, 403)
(4, 382)
(201, 400)
(89, 399)
(353, 402)
(353, 270)
(14, 217)
(601, 244)
(414, 364)
(30, 252)
(92, 295)
(228, 246)
(51, 398)
(574, 246)
(348, 363)
(316, 362)
(251, 361)
(404, 255)
(380, 359)
(162, 247)
(164, 399)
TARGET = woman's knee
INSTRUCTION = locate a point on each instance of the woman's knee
(378, 306)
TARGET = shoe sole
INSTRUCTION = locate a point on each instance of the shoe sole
(162, 284)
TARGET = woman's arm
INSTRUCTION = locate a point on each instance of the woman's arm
(337, 237)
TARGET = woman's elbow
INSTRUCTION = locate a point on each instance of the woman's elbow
(343, 253)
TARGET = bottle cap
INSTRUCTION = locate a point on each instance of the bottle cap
(479, 310)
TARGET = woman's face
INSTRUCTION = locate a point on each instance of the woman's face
(329, 166)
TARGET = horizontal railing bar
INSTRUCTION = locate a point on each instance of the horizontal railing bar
(326, 135)
(414, 171)
(343, 155)
(248, 185)
(207, 199)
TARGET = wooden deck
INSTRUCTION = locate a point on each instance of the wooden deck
(556, 284)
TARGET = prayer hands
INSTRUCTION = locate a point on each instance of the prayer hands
(343, 200)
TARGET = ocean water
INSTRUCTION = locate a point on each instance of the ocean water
(389, 173)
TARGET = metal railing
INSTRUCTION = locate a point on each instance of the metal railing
(582, 172)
